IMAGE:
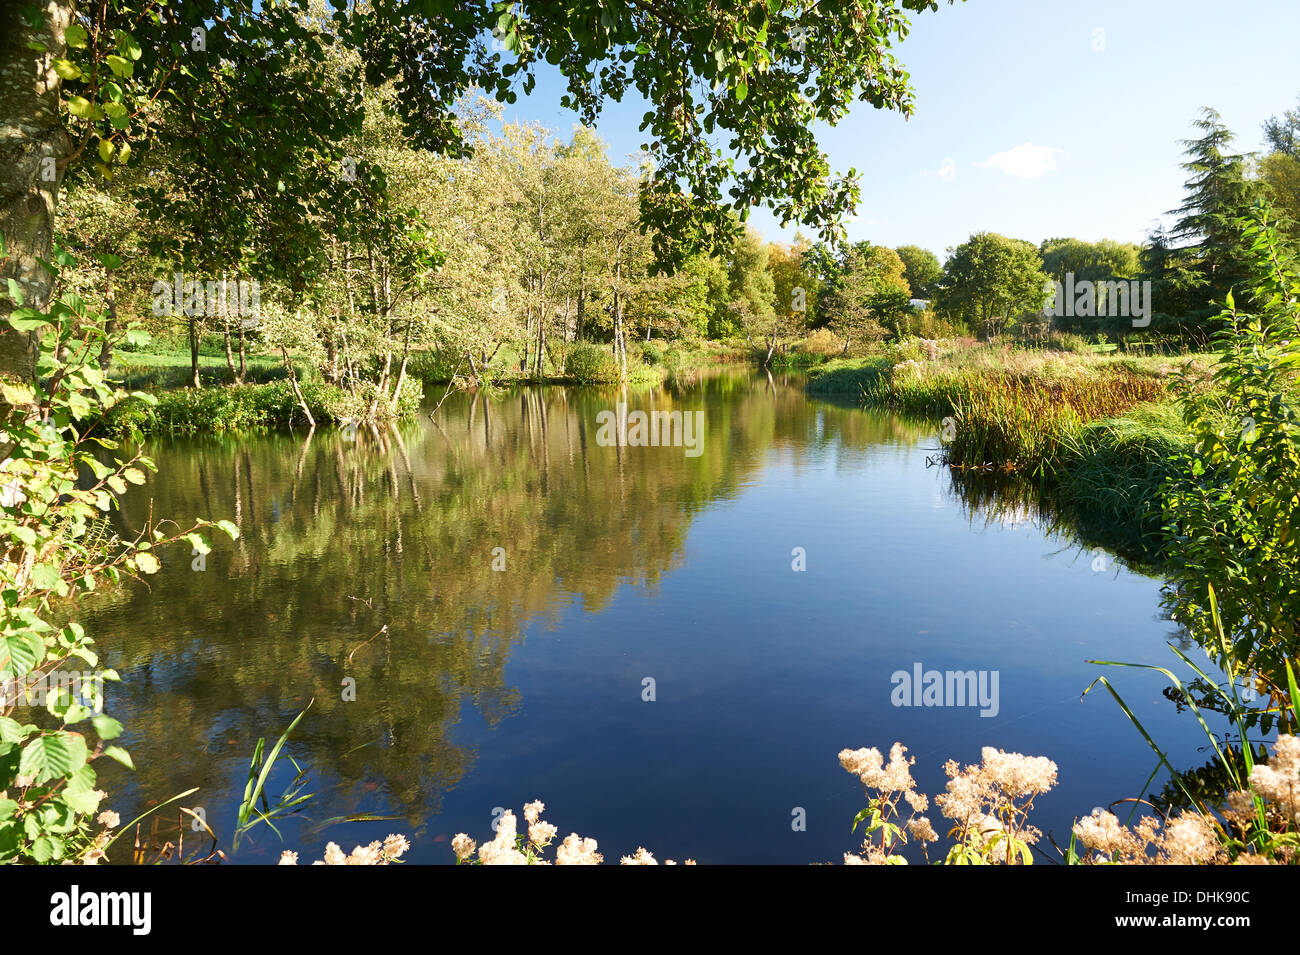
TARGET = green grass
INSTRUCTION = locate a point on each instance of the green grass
(846, 376)
(155, 370)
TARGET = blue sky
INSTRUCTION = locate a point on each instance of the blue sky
(1031, 123)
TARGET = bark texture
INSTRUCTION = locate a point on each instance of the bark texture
(33, 146)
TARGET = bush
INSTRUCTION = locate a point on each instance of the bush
(60, 485)
(1234, 507)
(822, 342)
(652, 353)
(251, 407)
(588, 363)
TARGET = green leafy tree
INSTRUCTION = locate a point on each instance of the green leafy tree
(761, 76)
(921, 268)
(1280, 170)
(991, 282)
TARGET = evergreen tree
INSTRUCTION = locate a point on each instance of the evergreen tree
(1204, 264)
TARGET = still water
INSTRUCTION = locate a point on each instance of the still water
(617, 566)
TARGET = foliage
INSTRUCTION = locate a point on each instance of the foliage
(1196, 264)
(921, 268)
(58, 543)
(588, 364)
(1234, 509)
(259, 768)
(991, 282)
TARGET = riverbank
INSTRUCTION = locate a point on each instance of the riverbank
(1097, 432)
(265, 400)
(248, 407)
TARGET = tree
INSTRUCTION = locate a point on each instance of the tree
(1280, 173)
(1283, 133)
(794, 288)
(1205, 264)
(751, 292)
(990, 282)
(863, 290)
(1280, 170)
(921, 268)
(1095, 262)
(763, 76)
(846, 302)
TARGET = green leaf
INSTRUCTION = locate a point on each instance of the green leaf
(67, 69)
(76, 36)
(11, 731)
(46, 577)
(43, 849)
(17, 393)
(83, 108)
(146, 562)
(53, 755)
(120, 755)
(119, 65)
(21, 653)
(107, 727)
(127, 45)
(84, 803)
(27, 319)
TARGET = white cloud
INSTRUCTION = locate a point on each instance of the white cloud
(1026, 161)
(948, 170)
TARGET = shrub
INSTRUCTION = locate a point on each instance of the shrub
(822, 342)
(589, 363)
(652, 353)
(1234, 507)
(56, 540)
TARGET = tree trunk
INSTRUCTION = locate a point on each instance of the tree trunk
(582, 311)
(195, 382)
(230, 355)
(541, 340)
(33, 146)
(110, 326)
(297, 392)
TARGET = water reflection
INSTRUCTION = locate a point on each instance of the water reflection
(611, 563)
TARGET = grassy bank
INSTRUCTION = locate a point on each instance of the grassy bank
(249, 407)
(266, 399)
(584, 363)
(1095, 431)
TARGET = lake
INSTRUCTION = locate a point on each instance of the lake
(668, 648)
